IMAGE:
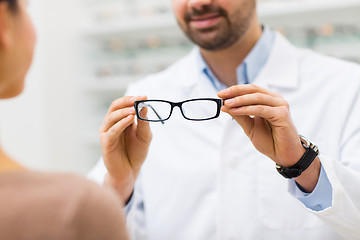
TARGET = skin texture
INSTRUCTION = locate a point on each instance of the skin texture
(17, 42)
(226, 31)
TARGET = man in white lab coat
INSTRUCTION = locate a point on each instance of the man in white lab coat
(217, 179)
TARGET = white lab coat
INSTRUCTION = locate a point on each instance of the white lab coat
(205, 180)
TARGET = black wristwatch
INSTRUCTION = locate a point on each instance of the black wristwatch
(305, 161)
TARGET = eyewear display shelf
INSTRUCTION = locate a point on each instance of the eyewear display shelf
(126, 40)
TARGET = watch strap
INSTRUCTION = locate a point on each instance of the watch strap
(296, 170)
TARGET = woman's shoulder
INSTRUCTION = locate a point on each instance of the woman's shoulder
(67, 188)
(65, 205)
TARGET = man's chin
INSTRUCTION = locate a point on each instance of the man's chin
(205, 35)
(209, 30)
(208, 42)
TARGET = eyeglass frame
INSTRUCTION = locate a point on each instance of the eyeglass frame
(218, 101)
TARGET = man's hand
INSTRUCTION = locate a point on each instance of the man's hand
(265, 119)
(124, 144)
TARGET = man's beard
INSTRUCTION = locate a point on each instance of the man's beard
(228, 32)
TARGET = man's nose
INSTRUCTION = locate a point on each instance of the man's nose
(198, 4)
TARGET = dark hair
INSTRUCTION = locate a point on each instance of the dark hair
(12, 4)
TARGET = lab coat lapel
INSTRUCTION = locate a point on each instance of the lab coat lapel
(193, 80)
(282, 67)
(190, 77)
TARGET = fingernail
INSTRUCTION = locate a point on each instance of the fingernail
(131, 110)
(132, 99)
(225, 91)
(229, 101)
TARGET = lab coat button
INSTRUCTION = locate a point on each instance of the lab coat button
(317, 207)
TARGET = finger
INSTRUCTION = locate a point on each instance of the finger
(124, 102)
(255, 99)
(143, 128)
(239, 90)
(114, 132)
(121, 103)
(245, 121)
(272, 114)
(114, 117)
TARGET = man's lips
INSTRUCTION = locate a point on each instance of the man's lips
(205, 21)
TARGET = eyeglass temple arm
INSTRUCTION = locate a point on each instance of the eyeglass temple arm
(148, 105)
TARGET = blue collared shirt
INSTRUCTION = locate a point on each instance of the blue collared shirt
(252, 64)
(321, 197)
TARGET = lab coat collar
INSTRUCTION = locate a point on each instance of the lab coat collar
(191, 75)
(282, 67)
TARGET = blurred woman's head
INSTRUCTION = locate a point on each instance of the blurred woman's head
(17, 42)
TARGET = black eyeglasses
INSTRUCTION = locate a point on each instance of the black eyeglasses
(199, 109)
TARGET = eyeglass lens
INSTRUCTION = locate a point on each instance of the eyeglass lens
(156, 110)
(199, 109)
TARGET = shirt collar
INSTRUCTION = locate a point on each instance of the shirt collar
(251, 66)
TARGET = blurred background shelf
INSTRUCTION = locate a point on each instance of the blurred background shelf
(134, 26)
(304, 7)
(309, 13)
